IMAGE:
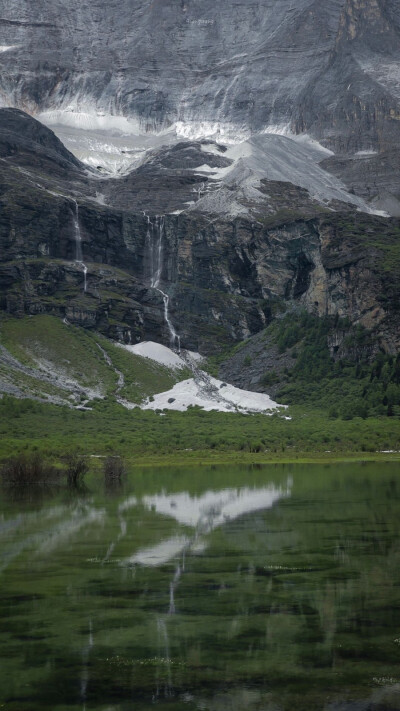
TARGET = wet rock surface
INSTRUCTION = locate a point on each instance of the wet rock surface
(257, 357)
(222, 274)
(325, 66)
(329, 68)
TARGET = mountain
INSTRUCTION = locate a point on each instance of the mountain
(211, 169)
(326, 67)
(169, 250)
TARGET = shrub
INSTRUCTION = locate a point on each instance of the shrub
(76, 469)
(27, 469)
(114, 470)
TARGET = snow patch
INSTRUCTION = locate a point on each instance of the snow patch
(222, 132)
(8, 48)
(276, 156)
(196, 357)
(114, 143)
(211, 395)
(303, 138)
(369, 152)
(202, 390)
(90, 121)
(156, 352)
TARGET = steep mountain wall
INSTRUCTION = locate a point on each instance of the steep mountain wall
(225, 278)
(326, 66)
(70, 248)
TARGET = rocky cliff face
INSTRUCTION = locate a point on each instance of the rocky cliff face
(226, 276)
(326, 67)
(329, 66)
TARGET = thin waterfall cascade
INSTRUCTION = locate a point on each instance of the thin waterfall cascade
(154, 248)
(78, 245)
(199, 191)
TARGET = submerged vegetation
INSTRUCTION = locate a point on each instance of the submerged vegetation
(25, 470)
(289, 602)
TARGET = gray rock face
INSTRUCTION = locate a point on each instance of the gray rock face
(330, 67)
(224, 275)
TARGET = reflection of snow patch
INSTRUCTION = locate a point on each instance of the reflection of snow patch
(369, 152)
(128, 504)
(203, 513)
(8, 48)
(58, 536)
(160, 554)
(214, 508)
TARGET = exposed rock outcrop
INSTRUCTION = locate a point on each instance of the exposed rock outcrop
(225, 276)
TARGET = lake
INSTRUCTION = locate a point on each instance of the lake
(220, 588)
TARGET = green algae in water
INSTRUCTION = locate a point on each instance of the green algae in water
(270, 588)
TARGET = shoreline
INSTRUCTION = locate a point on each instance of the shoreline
(204, 458)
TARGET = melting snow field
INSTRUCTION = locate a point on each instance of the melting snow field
(212, 395)
(202, 390)
(157, 352)
(118, 145)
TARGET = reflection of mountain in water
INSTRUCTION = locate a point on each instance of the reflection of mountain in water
(65, 523)
(203, 513)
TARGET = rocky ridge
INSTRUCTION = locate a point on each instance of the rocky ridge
(225, 275)
(326, 67)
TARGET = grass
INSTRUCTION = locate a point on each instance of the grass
(143, 377)
(74, 353)
(28, 426)
(69, 349)
(314, 431)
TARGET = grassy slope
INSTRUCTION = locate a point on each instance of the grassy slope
(26, 425)
(74, 353)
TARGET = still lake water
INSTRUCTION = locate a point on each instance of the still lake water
(218, 588)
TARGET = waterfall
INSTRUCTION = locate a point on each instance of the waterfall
(154, 247)
(157, 249)
(199, 191)
(78, 246)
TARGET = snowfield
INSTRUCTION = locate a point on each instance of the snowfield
(157, 352)
(202, 390)
(212, 395)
